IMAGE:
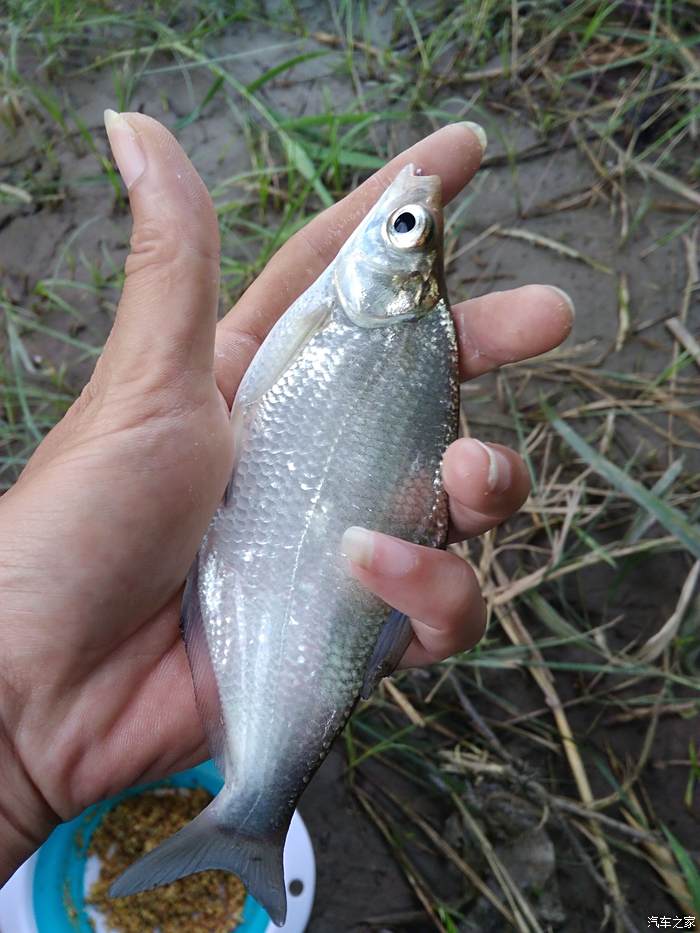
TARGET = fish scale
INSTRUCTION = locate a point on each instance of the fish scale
(342, 420)
(318, 398)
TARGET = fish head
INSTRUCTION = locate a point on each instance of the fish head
(390, 270)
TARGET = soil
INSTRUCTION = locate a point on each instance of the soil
(85, 228)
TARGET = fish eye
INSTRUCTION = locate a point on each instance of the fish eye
(409, 226)
(404, 222)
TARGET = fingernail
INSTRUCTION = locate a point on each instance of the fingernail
(498, 478)
(479, 132)
(378, 553)
(125, 146)
(568, 301)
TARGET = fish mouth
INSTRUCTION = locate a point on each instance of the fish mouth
(424, 188)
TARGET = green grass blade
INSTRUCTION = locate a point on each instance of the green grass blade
(282, 67)
(643, 521)
(688, 867)
(350, 158)
(549, 616)
(20, 359)
(300, 159)
(672, 519)
(214, 88)
(293, 149)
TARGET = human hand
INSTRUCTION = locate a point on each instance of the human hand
(97, 535)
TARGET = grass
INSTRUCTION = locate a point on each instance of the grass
(574, 723)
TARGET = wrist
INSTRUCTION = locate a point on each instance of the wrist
(15, 849)
(25, 818)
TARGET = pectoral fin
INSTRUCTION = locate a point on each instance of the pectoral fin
(205, 687)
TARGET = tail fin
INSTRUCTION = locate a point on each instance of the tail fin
(205, 843)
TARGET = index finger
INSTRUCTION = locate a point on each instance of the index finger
(453, 152)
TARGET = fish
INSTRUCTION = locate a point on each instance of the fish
(342, 419)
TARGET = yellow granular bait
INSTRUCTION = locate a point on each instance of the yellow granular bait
(208, 902)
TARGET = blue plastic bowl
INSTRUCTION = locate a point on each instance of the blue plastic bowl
(60, 867)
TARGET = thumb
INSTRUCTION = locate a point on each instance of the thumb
(166, 319)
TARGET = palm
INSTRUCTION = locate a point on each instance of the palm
(142, 484)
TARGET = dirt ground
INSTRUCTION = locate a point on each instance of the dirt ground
(78, 232)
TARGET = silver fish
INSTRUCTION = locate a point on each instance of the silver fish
(342, 419)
